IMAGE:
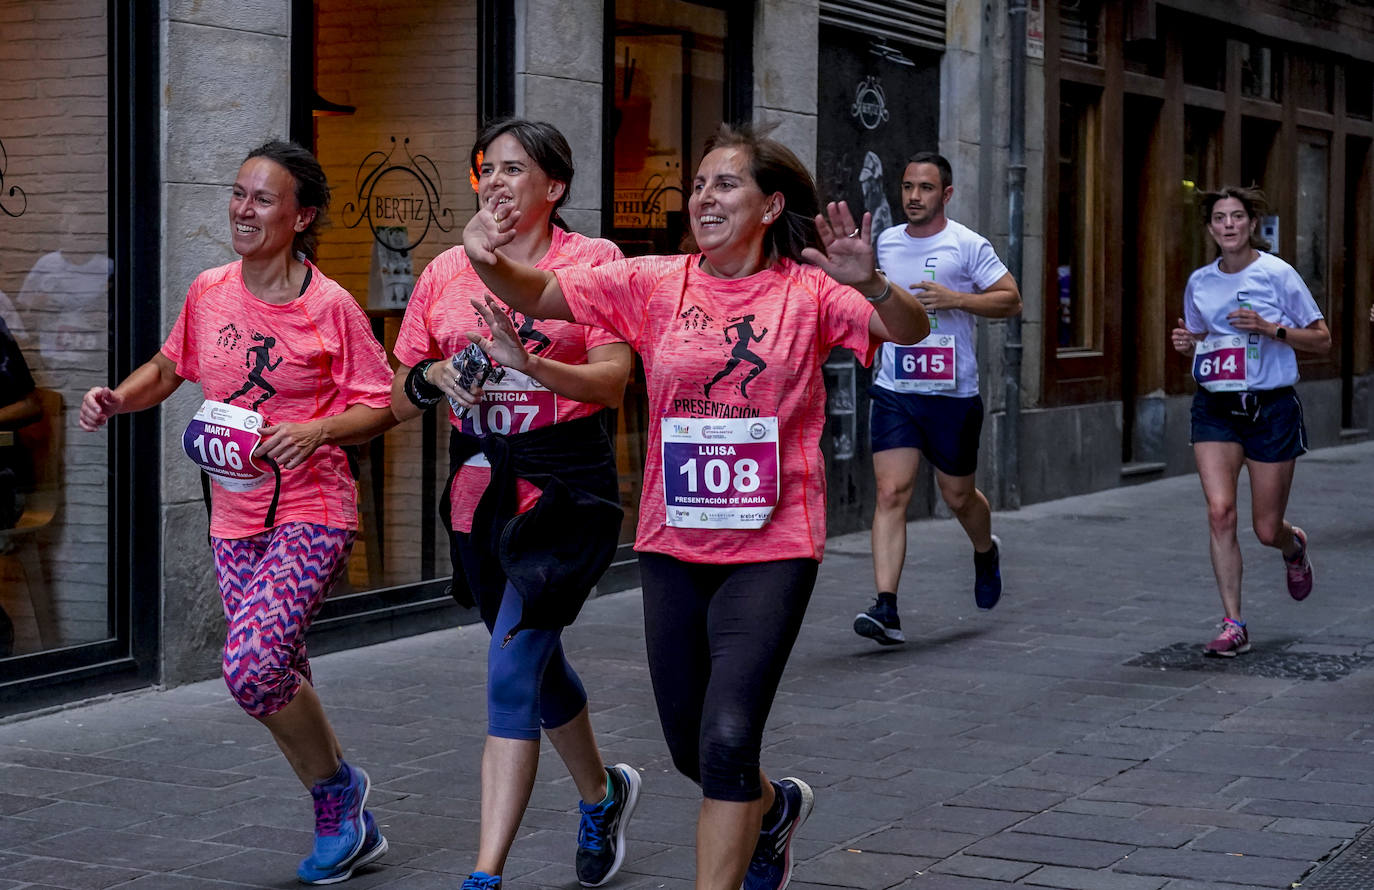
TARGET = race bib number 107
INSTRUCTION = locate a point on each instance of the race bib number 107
(720, 473)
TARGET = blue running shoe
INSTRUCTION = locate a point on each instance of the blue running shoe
(771, 867)
(480, 880)
(987, 575)
(340, 828)
(601, 836)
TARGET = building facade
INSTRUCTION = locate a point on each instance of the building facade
(126, 123)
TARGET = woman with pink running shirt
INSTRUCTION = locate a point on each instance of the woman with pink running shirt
(732, 520)
(533, 500)
(291, 372)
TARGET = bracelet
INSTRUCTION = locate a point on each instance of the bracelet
(882, 297)
(421, 393)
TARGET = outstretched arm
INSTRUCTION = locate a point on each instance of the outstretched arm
(848, 257)
(149, 384)
(535, 292)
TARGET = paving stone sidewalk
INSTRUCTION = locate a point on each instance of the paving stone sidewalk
(1072, 738)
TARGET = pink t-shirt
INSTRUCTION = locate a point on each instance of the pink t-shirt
(729, 348)
(295, 362)
(436, 324)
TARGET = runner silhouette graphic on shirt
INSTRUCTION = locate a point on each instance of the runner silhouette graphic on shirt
(744, 335)
(528, 334)
(258, 359)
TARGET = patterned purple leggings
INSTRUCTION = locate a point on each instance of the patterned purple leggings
(273, 584)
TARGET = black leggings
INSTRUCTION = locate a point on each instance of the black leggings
(718, 638)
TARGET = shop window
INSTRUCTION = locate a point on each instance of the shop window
(669, 97)
(1259, 155)
(669, 91)
(1310, 82)
(1310, 227)
(1080, 237)
(1260, 72)
(393, 120)
(55, 323)
(1080, 30)
(1204, 55)
(1201, 172)
(1359, 90)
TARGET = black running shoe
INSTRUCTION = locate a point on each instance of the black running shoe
(880, 623)
(987, 575)
(601, 837)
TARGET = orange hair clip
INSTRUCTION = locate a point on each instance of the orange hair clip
(472, 174)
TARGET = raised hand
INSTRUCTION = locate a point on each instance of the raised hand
(847, 250)
(504, 344)
(488, 231)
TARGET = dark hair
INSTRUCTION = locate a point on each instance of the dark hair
(545, 145)
(776, 169)
(312, 187)
(930, 157)
(1252, 199)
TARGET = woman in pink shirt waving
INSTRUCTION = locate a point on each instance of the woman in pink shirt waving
(290, 372)
(732, 519)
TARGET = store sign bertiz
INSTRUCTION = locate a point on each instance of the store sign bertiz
(400, 199)
(870, 104)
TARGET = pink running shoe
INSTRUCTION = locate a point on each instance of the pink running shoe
(1232, 641)
(1299, 569)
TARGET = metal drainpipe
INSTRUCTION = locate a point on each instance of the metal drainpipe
(1016, 218)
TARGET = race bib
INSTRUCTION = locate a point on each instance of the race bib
(926, 367)
(1220, 364)
(220, 440)
(515, 405)
(720, 473)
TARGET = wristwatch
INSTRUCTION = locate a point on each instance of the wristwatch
(1281, 333)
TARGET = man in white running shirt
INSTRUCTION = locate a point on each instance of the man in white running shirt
(925, 396)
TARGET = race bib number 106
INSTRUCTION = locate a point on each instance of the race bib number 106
(720, 473)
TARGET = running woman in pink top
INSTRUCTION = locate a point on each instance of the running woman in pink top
(290, 372)
(534, 502)
(732, 520)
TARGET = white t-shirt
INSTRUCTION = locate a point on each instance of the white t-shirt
(961, 260)
(1269, 286)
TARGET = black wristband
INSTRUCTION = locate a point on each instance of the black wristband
(421, 393)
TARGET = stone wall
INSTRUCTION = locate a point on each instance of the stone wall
(558, 78)
(225, 90)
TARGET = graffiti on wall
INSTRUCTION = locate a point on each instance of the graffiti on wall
(14, 191)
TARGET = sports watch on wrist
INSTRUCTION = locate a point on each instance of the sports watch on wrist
(1281, 333)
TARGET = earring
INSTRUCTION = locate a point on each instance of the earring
(767, 217)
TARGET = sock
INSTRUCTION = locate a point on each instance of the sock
(887, 599)
(610, 791)
(1240, 624)
(986, 554)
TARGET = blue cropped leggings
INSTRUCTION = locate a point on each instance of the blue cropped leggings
(529, 681)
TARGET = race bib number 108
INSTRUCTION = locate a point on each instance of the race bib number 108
(720, 473)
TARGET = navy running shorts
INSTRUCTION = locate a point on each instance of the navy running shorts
(945, 429)
(1267, 425)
